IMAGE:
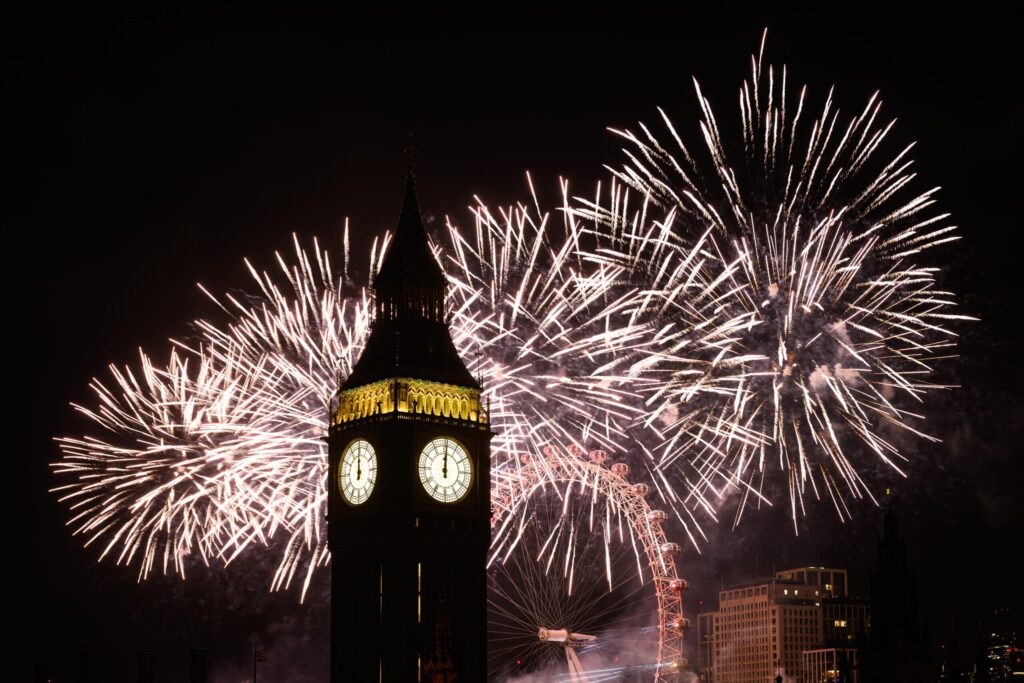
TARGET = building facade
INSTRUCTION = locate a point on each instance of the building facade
(829, 665)
(763, 629)
(846, 621)
(705, 646)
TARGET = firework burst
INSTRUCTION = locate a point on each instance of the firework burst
(826, 326)
(156, 493)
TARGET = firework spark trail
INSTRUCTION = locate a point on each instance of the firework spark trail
(829, 322)
(529, 311)
(295, 341)
(164, 490)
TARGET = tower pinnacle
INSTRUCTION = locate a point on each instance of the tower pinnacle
(409, 336)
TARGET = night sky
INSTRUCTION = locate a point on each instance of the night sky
(146, 153)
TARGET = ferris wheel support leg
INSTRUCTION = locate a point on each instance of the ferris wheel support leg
(576, 672)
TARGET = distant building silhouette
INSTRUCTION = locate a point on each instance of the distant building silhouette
(41, 673)
(197, 665)
(86, 664)
(145, 673)
(951, 668)
(1000, 659)
(895, 653)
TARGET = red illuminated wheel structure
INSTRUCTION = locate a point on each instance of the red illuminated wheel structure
(577, 550)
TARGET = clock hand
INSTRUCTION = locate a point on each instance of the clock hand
(359, 468)
(444, 470)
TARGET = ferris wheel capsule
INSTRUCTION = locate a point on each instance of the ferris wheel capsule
(553, 635)
(679, 585)
(575, 450)
(548, 451)
(642, 490)
(598, 456)
(525, 458)
(621, 469)
(657, 516)
(680, 624)
(670, 548)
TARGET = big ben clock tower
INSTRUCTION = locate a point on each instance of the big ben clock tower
(409, 489)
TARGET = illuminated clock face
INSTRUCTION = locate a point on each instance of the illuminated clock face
(357, 472)
(445, 470)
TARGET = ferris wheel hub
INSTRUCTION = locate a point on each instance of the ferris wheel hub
(562, 635)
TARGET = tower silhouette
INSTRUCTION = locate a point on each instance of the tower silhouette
(409, 490)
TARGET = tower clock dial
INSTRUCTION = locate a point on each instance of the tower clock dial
(357, 472)
(445, 470)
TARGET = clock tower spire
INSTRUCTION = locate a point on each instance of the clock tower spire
(409, 490)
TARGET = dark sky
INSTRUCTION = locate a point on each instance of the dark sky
(145, 153)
